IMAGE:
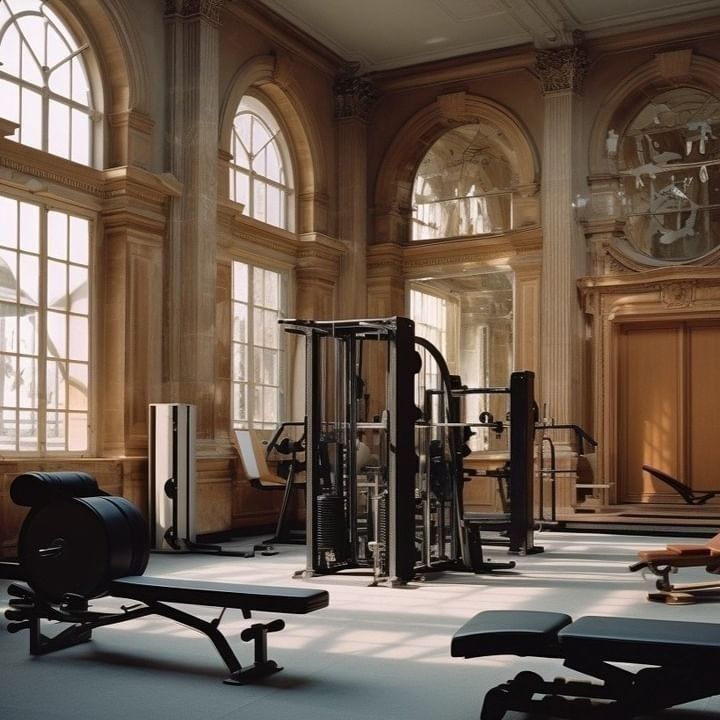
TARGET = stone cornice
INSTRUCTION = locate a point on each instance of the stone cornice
(255, 237)
(415, 259)
(7, 127)
(467, 67)
(649, 279)
(285, 34)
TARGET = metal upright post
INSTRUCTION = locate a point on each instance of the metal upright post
(403, 459)
(522, 436)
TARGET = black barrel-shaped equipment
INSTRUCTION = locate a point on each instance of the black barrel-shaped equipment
(79, 545)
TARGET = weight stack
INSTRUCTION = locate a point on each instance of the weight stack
(171, 475)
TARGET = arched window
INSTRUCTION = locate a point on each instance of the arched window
(464, 184)
(44, 84)
(260, 171)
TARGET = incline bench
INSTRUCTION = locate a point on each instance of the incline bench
(77, 543)
(681, 660)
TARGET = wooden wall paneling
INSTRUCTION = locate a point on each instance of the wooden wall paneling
(650, 408)
(703, 433)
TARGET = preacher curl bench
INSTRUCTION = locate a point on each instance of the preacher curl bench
(681, 660)
(78, 543)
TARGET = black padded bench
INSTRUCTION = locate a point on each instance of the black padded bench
(78, 543)
(680, 659)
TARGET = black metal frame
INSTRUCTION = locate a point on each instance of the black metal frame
(28, 610)
(622, 695)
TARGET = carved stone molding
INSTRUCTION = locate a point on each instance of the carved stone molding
(562, 69)
(354, 95)
(678, 294)
(209, 9)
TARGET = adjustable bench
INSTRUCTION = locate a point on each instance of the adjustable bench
(663, 562)
(680, 660)
(77, 544)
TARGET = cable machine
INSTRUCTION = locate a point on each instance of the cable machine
(386, 493)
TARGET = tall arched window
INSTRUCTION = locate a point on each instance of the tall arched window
(260, 171)
(44, 85)
(464, 184)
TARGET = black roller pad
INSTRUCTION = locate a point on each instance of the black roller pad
(214, 594)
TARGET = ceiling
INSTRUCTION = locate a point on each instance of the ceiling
(387, 34)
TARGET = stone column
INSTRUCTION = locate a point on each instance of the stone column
(353, 98)
(561, 378)
(189, 341)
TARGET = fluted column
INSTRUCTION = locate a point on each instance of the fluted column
(562, 72)
(353, 98)
(193, 139)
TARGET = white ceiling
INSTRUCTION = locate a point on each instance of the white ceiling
(387, 34)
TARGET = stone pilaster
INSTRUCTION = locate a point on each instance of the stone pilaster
(562, 72)
(192, 42)
(353, 98)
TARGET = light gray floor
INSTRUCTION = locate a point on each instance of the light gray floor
(374, 653)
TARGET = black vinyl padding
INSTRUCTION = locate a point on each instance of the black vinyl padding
(32, 489)
(643, 641)
(510, 632)
(215, 594)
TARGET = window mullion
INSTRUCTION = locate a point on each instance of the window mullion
(42, 408)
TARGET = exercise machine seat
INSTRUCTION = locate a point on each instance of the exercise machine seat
(297, 600)
(508, 632)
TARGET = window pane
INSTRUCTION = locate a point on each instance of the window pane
(29, 68)
(79, 338)
(57, 285)
(240, 281)
(78, 289)
(57, 338)
(59, 80)
(10, 99)
(77, 386)
(55, 384)
(28, 431)
(10, 51)
(31, 118)
(259, 200)
(57, 235)
(81, 87)
(55, 435)
(8, 381)
(79, 240)
(29, 227)
(28, 326)
(80, 137)
(77, 432)
(29, 279)
(8, 213)
(27, 382)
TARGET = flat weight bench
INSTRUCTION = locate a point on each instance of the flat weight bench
(77, 544)
(681, 660)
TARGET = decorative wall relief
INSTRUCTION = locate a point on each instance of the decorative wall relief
(669, 162)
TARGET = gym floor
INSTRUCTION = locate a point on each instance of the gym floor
(374, 653)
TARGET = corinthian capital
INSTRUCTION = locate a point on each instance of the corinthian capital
(354, 95)
(562, 69)
(209, 9)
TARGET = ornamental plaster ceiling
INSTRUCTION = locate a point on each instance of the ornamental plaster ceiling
(387, 34)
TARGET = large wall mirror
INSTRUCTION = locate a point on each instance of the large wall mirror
(469, 318)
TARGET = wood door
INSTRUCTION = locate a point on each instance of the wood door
(650, 407)
(668, 403)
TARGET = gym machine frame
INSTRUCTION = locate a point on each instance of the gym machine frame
(332, 532)
(392, 530)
